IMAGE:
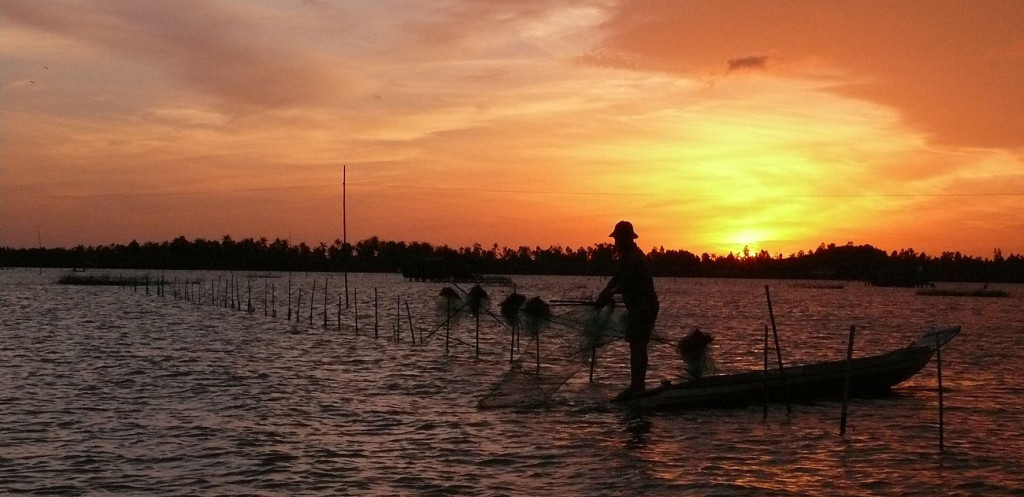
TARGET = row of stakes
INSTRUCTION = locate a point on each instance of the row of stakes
(517, 313)
(516, 310)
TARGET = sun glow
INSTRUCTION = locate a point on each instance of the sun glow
(560, 120)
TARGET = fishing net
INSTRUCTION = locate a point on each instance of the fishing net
(522, 388)
(450, 305)
(570, 338)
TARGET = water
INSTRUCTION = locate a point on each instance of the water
(106, 391)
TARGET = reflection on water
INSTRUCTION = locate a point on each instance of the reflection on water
(105, 390)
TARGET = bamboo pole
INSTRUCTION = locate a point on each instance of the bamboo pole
(512, 344)
(447, 322)
(289, 296)
(312, 299)
(938, 370)
(298, 306)
(846, 380)
(355, 301)
(273, 301)
(375, 307)
(412, 329)
(398, 319)
(593, 361)
(344, 224)
(326, 281)
(536, 332)
(778, 351)
(764, 376)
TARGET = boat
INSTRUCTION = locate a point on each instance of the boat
(868, 376)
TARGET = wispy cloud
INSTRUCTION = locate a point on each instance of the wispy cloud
(218, 49)
(749, 62)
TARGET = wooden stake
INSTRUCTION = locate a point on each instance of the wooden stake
(311, 300)
(764, 374)
(846, 380)
(512, 344)
(593, 361)
(478, 335)
(447, 322)
(537, 334)
(778, 351)
(412, 329)
(938, 369)
(375, 320)
(398, 319)
(326, 281)
(355, 300)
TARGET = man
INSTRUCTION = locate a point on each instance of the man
(634, 282)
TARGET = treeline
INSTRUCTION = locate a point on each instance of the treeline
(842, 262)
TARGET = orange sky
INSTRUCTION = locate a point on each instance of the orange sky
(709, 124)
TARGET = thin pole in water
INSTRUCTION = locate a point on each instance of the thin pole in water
(398, 319)
(375, 307)
(938, 368)
(326, 281)
(778, 350)
(312, 298)
(355, 300)
(846, 380)
(593, 361)
(764, 374)
(512, 343)
(344, 224)
(447, 321)
(412, 329)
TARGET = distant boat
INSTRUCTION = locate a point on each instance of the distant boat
(869, 376)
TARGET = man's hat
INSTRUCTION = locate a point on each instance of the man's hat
(623, 229)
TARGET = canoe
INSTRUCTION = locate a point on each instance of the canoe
(869, 376)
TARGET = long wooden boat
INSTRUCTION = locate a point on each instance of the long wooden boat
(868, 376)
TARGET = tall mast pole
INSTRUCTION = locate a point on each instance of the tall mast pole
(344, 226)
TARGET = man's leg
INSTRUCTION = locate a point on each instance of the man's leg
(638, 365)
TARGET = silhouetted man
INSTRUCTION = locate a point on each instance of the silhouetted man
(634, 282)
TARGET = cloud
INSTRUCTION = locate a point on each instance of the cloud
(750, 62)
(933, 61)
(235, 55)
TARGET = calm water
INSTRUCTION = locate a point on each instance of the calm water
(106, 391)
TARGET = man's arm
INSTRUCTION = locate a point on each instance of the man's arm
(605, 297)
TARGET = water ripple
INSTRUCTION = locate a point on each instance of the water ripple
(109, 391)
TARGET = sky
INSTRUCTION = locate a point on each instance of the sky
(710, 125)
